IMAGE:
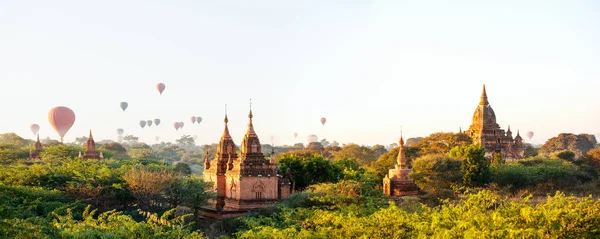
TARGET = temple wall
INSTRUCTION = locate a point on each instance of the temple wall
(249, 186)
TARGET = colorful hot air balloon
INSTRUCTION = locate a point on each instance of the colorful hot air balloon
(142, 123)
(180, 125)
(198, 119)
(176, 125)
(160, 87)
(313, 138)
(323, 120)
(295, 135)
(34, 128)
(124, 105)
(530, 135)
(62, 119)
(193, 119)
(120, 132)
(156, 122)
(149, 123)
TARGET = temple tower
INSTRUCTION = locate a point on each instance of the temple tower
(35, 154)
(243, 182)
(484, 130)
(90, 148)
(397, 183)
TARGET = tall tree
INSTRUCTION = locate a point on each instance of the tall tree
(475, 165)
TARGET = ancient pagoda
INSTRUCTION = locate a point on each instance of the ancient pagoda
(397, 183)
(485, 131)
(245, 181)
(35, 153)
(90, 148)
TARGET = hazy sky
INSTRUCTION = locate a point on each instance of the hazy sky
(367, 66)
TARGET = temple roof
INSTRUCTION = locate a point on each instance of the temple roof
(250, 143)
(226, 144)
(484, 114)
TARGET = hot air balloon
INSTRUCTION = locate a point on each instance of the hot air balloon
(120, 132)
(156, 138)
(295, 135)
(193, 119)
(142, 123)
(323, 120)
(124, 105)
(160, 87)
(313, 138)
(176, 125)
(198, 119)
(530, 135)
(34, 128)
(149, 123)
(180, 125)
(156, 122)
(62, 119)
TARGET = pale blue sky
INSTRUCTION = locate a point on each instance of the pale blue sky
(368, 66)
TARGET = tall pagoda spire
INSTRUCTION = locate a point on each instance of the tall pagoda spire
(250, 143)
(226, 147)
(35, 153)
(401, 161)
(484, 99)
(226, 134)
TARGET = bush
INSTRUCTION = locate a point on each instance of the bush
(548, 173)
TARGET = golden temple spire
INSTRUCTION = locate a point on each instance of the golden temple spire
(401, 161)
(484, 99)
(226, 134)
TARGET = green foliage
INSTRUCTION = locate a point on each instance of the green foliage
(61, 152)
(441, 143)
(480, 215)
(9, 153)
(497, 161)
(437, 174)
(309, 170)
(24, 202)
(114, 224)
(183, 168)
(14, 140)
(117, 150)
(563, 154)
(547, 174)
(362, 154)
(530, 151)
(475, 165)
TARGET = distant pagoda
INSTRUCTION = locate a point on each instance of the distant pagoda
(35, 153)
(397, 183)
(90, 148)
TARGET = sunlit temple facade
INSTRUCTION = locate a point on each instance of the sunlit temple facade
(397, 183)
(245, 181)
(485, 131)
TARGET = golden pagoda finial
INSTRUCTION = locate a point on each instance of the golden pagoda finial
(484, 99)
(226, 120)
(250, 115)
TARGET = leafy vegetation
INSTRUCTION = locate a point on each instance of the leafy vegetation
(153, 191)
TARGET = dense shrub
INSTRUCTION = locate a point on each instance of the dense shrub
(546, 173)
